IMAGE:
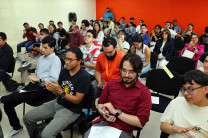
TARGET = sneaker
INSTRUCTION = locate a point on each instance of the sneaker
(13, 132)
(19, 88)
(24, 66)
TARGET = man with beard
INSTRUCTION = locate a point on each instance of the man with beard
(108, 14)
(126, 101)
(107, 66)
(76, 39)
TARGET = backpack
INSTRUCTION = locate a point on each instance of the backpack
(10, 84)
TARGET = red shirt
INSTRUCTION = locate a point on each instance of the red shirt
(76, 40)
(134, 100)
(113, 71)
(30, 35)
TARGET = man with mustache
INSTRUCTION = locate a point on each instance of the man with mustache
(126, 100)
(107, 66)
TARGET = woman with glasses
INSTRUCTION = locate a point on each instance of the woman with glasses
(187, 117)
(143, 51)
(122, 45)
(194, 47)
(99, 35)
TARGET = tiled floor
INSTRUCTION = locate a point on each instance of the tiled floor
(151, 129)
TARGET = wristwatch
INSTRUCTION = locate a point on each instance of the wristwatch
(63, 94)
(119, 111)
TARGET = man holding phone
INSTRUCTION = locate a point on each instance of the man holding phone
(125, 103)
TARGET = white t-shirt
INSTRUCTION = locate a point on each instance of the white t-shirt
(124, 44)
(100, 38)
(92, 59)
(183, 114)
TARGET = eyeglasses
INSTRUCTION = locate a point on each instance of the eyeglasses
(69, 59)
(189, 91)
(120, 34)
(109, 52)
(89, 36)
(194, 37)
(130, 72)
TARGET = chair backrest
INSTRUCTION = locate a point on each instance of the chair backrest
(203, 56)
(178, 44)
(12, 66)
(205, 47)
(181, 64)
(88, 98)
(159, 81)
(153, 59)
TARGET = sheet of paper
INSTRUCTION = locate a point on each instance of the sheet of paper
(104, 132)
(188, 54)
(155, 100)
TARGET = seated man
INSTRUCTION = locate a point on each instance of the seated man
(126, 100)
(30, 33)
(110, 23)
(204, 37)
(145, 36)
(48, 69)
(76, 39)
(73, 85)
(186, 117)
(90, 53)
(6, 56)
(30, 61)
(62, 33)
(173, 33)
(107, 66)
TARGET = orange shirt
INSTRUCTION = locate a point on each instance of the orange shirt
(109, 68)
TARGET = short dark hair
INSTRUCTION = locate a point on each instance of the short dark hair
(92, 32)
(175, 20)
(131, 23)
(134, 60)
(122, 31)
(197, 76)
(59, 23)
(143, 25)
(117, 23)
(159, 26)
(168, 33)
(206, 29)
(3, 36)
(123, 18)
(132, 18)
(167, 22)
(74, 20)
(51, 21)
(109, 17)
(109, 41)
(77, 52)
(86, 23)
(44, 30)
(191, 25)
(50, 41)
(41, 24)
(25, 24)
(142, 21)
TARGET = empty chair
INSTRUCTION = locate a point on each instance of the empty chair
(181, 64)
(159, 81)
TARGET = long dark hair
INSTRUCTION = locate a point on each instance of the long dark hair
(138, 38)
(94, 28)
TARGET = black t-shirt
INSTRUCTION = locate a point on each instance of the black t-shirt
(80, 82)
(204, 39)
(62, 32)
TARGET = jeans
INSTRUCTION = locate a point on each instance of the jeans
(2, 75)
(144, 70)
(27, 44)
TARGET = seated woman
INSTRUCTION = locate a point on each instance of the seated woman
(155, 35)
(143, 51)
(105, 29)
(186, 35)
(194, 46)
(164, 48)
(99, 35)
(186, 117)
(53, 32)
(84, 27)
(122, 45)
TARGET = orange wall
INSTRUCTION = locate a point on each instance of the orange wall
(158, 12)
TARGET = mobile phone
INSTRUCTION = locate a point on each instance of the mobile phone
(104, 112)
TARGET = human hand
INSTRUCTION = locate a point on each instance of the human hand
(182, 129)
(33, 78)
(54, 87)
(153, 33)
(67, 46)
(182, 39)
(110, 108)
(100, 85)
(24, 31)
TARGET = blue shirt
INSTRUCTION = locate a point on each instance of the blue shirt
(108, 14)
(131, 31)
(48, 68)
(123, 26)
(177, 28)
(146, 39)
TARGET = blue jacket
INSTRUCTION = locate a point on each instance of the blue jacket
(168, 49)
